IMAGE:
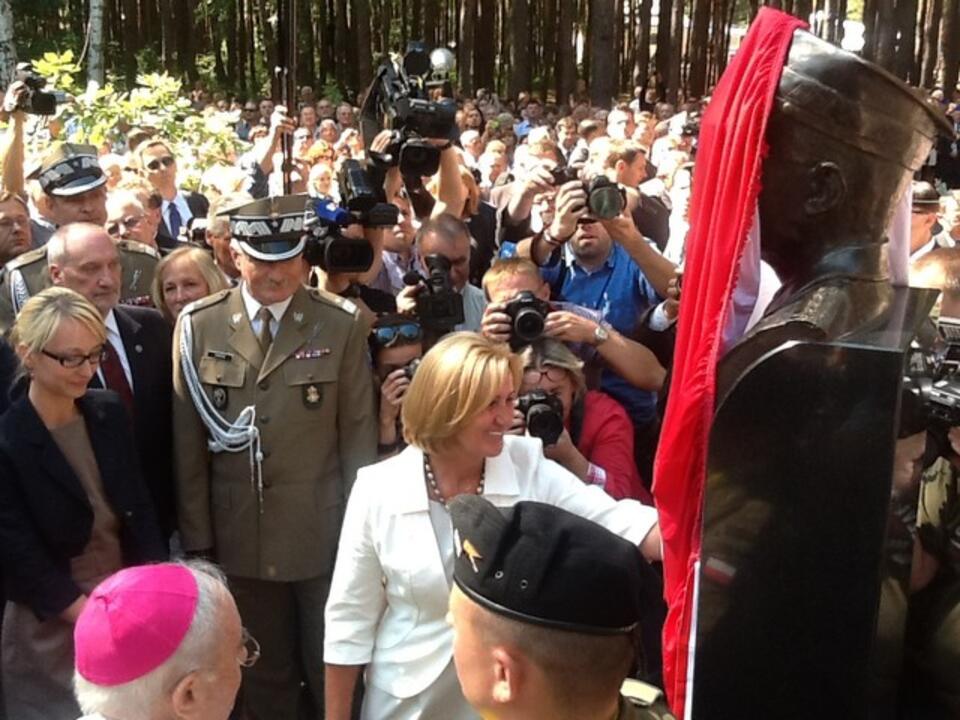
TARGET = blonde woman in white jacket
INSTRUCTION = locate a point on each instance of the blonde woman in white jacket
(386, 614)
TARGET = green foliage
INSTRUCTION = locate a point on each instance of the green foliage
(331, 90)
(104, 116)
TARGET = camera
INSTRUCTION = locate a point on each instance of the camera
(35, 101)
(197, 231)
(410, 369)
(543, 414)
(930, 398)
(439, 307)
(399, 100)
(361, 204)
(605, 198)
(528, 315)
(563, 174)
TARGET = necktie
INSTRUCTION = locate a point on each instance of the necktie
(114, 377)
(264, 337)
(174, 221)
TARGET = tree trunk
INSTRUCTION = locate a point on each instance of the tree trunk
(642, 65)
(386, 20)
(950, 47)
(465, 67)
(906, 21)
(698, 47)
(95, 74)
(361, 34)
(131, 40)
(886, 34)
(931, 31)
(676, 53)
(485, 45)
(603, 64)
(566, 52)
(416, 20)
(869, 51)
(663, 39)
(340, 53)
(519, 31)
(549, 46)
(431, 23)
(8, 50)
(305, 46)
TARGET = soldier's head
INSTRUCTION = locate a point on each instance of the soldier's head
(84, 258)
(845, 137)
(924, 209)
(127, 218)
(73, 185)
(15, 232)
(267, 247)
(544, 609)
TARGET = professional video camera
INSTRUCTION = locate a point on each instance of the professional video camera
(605, 198)
(528, 314)
(543, 414)
(361, 203)
(439, 307)
(398, 99)
(931, 388)
(35, 101)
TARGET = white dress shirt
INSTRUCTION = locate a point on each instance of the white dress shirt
(113, 337)
(253, 307)
(181, 202)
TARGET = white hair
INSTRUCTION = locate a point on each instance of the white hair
(135, 699)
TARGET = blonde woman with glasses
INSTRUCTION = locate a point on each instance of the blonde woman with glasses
(73, 506)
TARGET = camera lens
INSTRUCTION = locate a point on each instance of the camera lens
(543, 422)
(606, 202)
(528, 325)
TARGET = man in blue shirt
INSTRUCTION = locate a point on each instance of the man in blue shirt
(610, 267)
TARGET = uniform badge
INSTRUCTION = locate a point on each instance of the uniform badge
(311, 353)
(220, 398)
(298, 316)
(235, 318)
(312, 396)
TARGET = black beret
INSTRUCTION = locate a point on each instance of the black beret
(539, 564)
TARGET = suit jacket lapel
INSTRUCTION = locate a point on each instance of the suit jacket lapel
(101, 442)
(130, 337)
(293, 332)
(242, 338)
(51, 460)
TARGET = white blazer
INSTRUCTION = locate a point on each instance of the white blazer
(388, 597)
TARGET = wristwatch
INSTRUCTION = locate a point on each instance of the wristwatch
(600, 335)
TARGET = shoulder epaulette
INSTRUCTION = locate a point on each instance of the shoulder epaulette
(27, 258)
(642, 693)
(207, 301)
(348, 306)
(136, 247)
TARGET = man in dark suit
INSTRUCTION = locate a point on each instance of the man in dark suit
(138, 368)
(158, 164)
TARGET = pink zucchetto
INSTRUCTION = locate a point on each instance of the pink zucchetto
(133, 622)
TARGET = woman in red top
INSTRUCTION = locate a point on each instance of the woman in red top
(596, 444)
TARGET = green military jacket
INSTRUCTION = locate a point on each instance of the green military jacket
(314, 412)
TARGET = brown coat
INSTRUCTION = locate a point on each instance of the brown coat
(314, 409)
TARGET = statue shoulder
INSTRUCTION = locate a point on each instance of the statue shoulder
(132, 247)
(327, 298)
(198, 306)
(28, 258)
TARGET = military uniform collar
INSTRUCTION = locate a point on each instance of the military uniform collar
(252, 305)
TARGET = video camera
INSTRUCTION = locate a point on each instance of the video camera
(605, 198)
(543, 414)
(931, 387)
(398, 99)
(440, 307)
(528, 315)
(361, 203)
(35, 101)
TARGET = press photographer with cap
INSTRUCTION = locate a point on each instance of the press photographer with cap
(273, 416)
(388, 599)
(161, 642)
(545, 607)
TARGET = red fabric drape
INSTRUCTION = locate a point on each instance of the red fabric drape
(725, 189)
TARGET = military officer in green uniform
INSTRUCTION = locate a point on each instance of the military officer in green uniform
(73, 191)
(273, 415)
(545, 607)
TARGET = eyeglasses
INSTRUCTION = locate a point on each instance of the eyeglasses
(128, 223)
(166, 161)
(533, 376)
(250, 652)
(390, 334)
(75, 361)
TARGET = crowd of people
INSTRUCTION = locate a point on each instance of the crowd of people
(178, 380)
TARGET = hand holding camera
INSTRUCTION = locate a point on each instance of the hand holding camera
(496, 324)
(543, 415)
(15, 97)
(570, 327)
(571, 205)
(392, 391)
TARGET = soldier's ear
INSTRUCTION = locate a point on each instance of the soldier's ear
(826, 188)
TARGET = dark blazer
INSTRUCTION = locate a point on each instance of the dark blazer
(147, 338)
(199, 207)
(45, 517)
(8, 373)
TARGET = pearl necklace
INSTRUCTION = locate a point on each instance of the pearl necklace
(432, 480)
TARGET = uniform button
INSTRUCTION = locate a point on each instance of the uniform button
(128, 514)
(309, 376)
(219, 378)
(266, 455)
(271, 571)
(264, 419)
(267, 484)
(264, 385)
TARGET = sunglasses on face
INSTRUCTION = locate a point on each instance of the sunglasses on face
(128, 223)
(155, 164)
(387, 336)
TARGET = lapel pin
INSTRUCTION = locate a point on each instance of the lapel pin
(235, 319)
(472, 555)
(138, 348)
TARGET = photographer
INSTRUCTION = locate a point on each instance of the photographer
(396, 345)
(586, 431)
(510, 279)
(259, 163)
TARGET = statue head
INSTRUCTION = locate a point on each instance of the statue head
(845, 138)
